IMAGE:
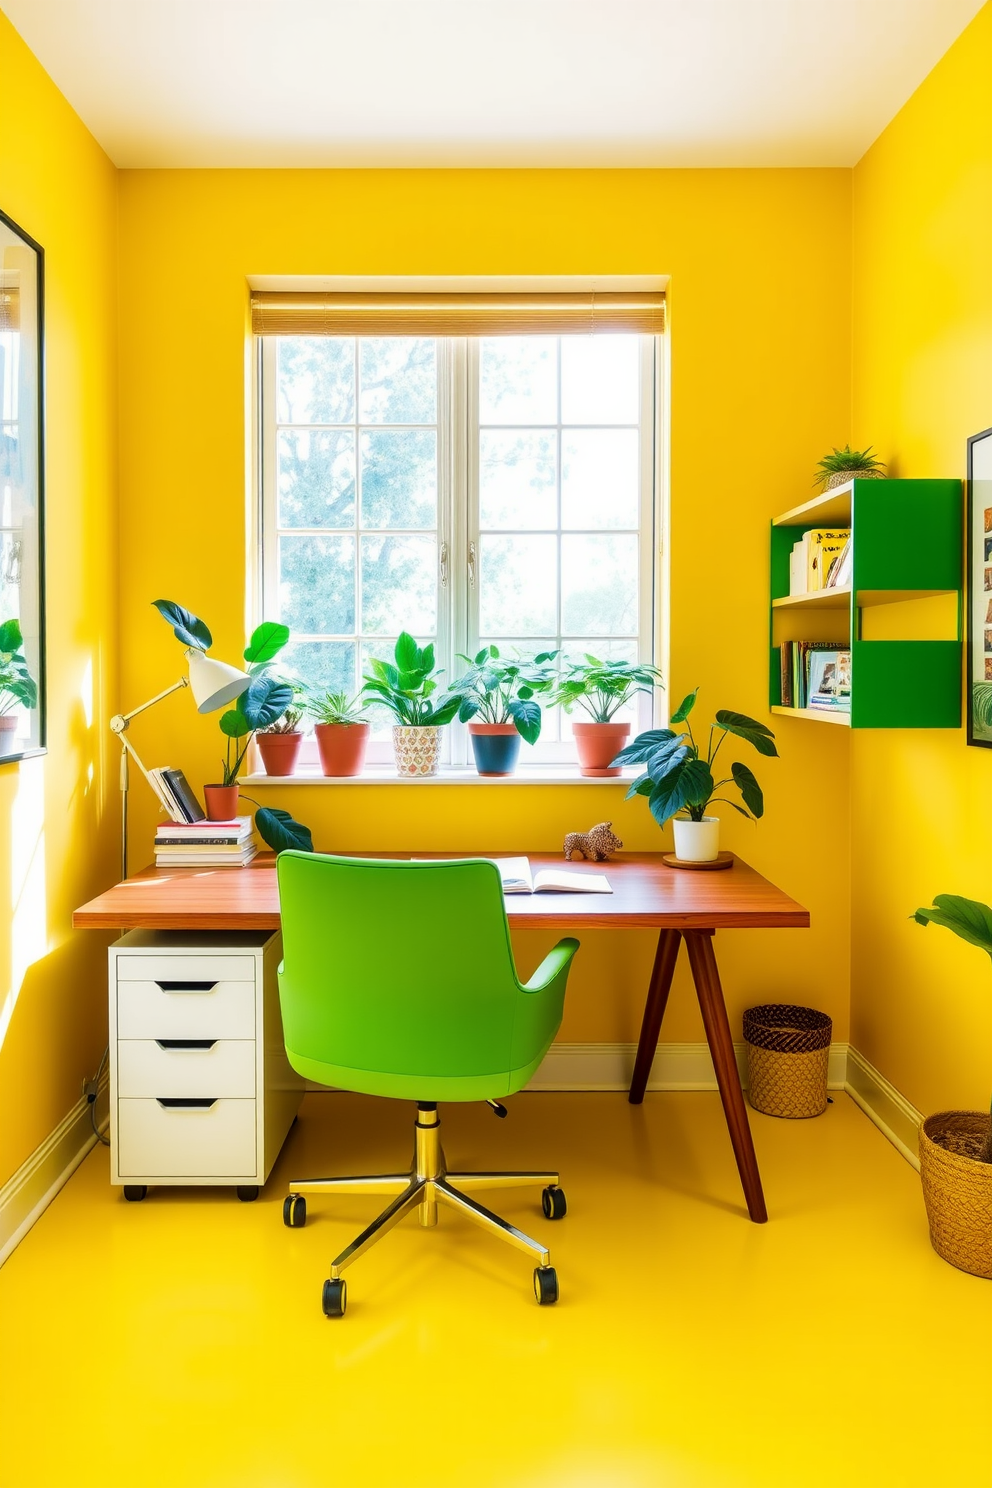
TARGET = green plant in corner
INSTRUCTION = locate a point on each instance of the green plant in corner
(17, 686)
(500, 689)
(972, 921)
(678, 776)
(407, 688)
(602, 688)
(846, 464)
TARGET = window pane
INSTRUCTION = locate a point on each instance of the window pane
(399, 585)
(317, 584)
(518, 380)
(600, 379)
(398, 380)
(315, 379)
(599, 478)
(399, 478)
(599, 585)
(316, 478)
(323, 664)
(517, 479)
(518, 582)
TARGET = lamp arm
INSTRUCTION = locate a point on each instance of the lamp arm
(120, 721)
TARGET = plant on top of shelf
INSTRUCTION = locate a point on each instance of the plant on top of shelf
(843, 465)
(679, 777)
(498, 704)
(17, 686)
(341, 730)
(408, 690)
(601, 689)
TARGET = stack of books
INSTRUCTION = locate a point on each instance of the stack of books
(815, 561)
(816, 674)
(205, 844)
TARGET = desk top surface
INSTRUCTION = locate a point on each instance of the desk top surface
(646, 893)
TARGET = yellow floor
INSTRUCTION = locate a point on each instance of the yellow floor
(179, 1343)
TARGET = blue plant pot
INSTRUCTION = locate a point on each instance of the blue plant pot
(496, 749)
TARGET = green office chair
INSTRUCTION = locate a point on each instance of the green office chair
(398, 980)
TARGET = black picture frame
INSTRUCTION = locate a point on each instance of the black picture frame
(22, 470)
(979, 581)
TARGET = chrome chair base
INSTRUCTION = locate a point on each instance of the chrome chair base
(427, 1184)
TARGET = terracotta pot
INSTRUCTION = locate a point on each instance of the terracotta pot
(597, 744)
(221, 802)
(417, 750)
(957, 1189)
(495, 746)
(342, 747)
(279, 752)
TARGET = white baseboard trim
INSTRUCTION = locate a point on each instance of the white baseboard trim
(884, 1105)
(675, 1067)
(28, 1192)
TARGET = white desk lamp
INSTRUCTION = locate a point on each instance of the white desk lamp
(214, 684)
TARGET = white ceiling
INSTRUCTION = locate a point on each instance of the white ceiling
(487, 82)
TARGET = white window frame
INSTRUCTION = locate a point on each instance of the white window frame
(458, 526)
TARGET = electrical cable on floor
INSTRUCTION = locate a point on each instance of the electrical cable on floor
(90, 1089)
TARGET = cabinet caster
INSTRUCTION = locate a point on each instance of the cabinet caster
(545, 1285)
(553, 1203)
(334, 1298)
(294, 1211)
(135, 1192)
(247, 1192)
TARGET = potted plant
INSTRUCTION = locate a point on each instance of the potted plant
(266, 699)
(840, 466)
(342, 731)
(407, 689)
(601, 689)
(956, 1146)
(678, 778)
(279, 744)
(17, 686)
(498, 704)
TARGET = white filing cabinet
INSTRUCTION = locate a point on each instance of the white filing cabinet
(201, 1091)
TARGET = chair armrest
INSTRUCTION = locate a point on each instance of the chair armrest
(554, 963)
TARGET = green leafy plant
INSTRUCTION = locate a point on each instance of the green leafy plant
(279, 831)
(291, 719)
(335, 707)
(602, 688)
(849, 463)
(187, 628)
(16, 683)
(972, 921)
(499, 689)
(407, 688)
(678, 776)
(265, 701)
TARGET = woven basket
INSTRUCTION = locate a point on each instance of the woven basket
(788, 1049)
(957, 1189)
(841, 477)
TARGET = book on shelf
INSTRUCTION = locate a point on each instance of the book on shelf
(812, 557)
(180, 789)
(830, 678)
(795, 663)
(841, 567)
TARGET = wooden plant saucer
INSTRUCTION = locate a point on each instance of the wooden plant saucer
(722, 860)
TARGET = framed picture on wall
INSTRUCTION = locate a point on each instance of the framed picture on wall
(980, 589)
(22, 485)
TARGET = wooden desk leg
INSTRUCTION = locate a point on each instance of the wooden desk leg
(699, 944)
(660, 985)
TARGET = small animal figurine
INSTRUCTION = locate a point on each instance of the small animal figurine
(597, 844)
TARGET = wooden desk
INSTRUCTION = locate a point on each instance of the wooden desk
(682, 906)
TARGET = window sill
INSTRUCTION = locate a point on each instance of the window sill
(386, 775)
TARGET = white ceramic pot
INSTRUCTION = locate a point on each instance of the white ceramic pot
(697, 842)
(417, 750)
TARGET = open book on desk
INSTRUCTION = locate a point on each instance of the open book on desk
(518, 879)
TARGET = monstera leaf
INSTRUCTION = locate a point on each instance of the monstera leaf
(279, 831)
(186, 627)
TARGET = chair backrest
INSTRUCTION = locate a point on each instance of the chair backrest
(396, 967)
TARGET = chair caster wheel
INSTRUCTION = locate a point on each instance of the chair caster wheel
(247, 1192)
(553, 1203)
(545, 1285)
(294, 1211)
(334, 1298)
(135, 1192)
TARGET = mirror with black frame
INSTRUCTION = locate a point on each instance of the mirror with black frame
(22, 628)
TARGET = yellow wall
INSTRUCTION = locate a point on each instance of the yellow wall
(57, 813)
(921, 800)
(760, 385)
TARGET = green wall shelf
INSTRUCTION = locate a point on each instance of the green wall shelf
(908, 544)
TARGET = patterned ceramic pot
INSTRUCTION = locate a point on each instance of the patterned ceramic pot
(417, 750)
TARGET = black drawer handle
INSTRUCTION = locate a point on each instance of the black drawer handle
(185, 1043)
(186, 1103)
(186, 986)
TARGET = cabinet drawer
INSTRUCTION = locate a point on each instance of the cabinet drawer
(194, 1008)
(191, 968)
(155, 1141)
(225, 1068)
